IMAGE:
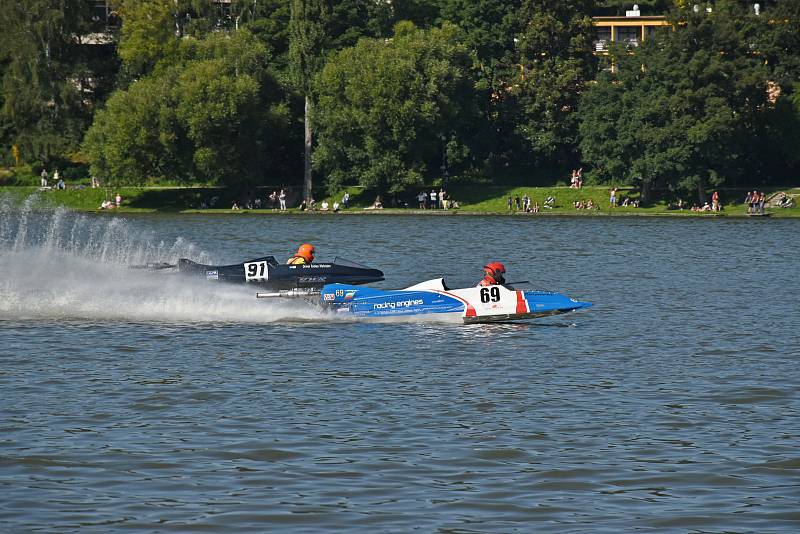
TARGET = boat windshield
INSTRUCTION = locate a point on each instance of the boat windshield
(348, 263)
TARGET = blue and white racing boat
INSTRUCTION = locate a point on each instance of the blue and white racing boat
(433, 298)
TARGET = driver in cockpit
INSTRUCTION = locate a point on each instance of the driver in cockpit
(305, 254)
(493, 274)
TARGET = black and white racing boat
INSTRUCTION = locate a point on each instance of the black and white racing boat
(271, 275)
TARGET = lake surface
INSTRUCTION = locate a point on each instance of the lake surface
(131, 401)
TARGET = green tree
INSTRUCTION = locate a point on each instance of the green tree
(775, 36)
(307, 27)
(138, 135)
(490, 29)
(215, 115)
(681, 108)
(148, 35)
(556, 61)
(269, 21)
(386, 107)
(48, 76)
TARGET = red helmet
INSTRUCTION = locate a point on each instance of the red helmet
(496, 270)
(306, 251)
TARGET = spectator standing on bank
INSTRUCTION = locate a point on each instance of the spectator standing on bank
(715, 201)
(421, 198)
(346, 200)
(44, 178)
(434, 201)
(613, 198)
(282, 199)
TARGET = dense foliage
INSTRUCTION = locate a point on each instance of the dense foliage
(394, 94)
(691, 108)
(213, 114)
(387, 110)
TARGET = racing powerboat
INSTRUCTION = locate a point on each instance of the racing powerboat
(433, 298)
(271, 275)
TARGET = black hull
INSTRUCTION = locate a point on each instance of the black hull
(267, 274)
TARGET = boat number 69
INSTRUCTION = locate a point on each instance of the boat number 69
(490, 294)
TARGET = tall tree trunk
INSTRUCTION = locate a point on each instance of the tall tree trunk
(645, 192)
(307, 154)
(701, 190)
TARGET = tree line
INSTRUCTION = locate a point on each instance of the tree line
(392, 95)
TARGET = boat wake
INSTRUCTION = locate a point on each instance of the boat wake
(57, 264)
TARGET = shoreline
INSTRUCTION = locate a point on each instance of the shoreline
(475, 202)
(357, 212)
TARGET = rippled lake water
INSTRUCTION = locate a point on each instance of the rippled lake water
(137, 402)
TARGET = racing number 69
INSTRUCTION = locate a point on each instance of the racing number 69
(490, 294)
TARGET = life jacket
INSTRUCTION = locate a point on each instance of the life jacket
(488, 280)
(296, 260)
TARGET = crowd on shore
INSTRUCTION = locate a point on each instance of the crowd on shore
(280, 201)
(755, 200)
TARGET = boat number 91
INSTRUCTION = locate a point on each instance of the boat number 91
(490, 294)
(256, 270)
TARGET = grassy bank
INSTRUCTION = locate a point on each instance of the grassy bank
(471, 200)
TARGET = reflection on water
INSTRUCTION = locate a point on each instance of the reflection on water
(142, 403)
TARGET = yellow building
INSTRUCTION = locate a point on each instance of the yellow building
(630, 30)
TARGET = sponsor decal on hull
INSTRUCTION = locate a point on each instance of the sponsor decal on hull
(391, 305)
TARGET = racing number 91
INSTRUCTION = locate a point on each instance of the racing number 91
(256, 270)
(490, 294)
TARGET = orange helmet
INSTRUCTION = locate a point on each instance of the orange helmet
(496, 270)
(306, 251)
